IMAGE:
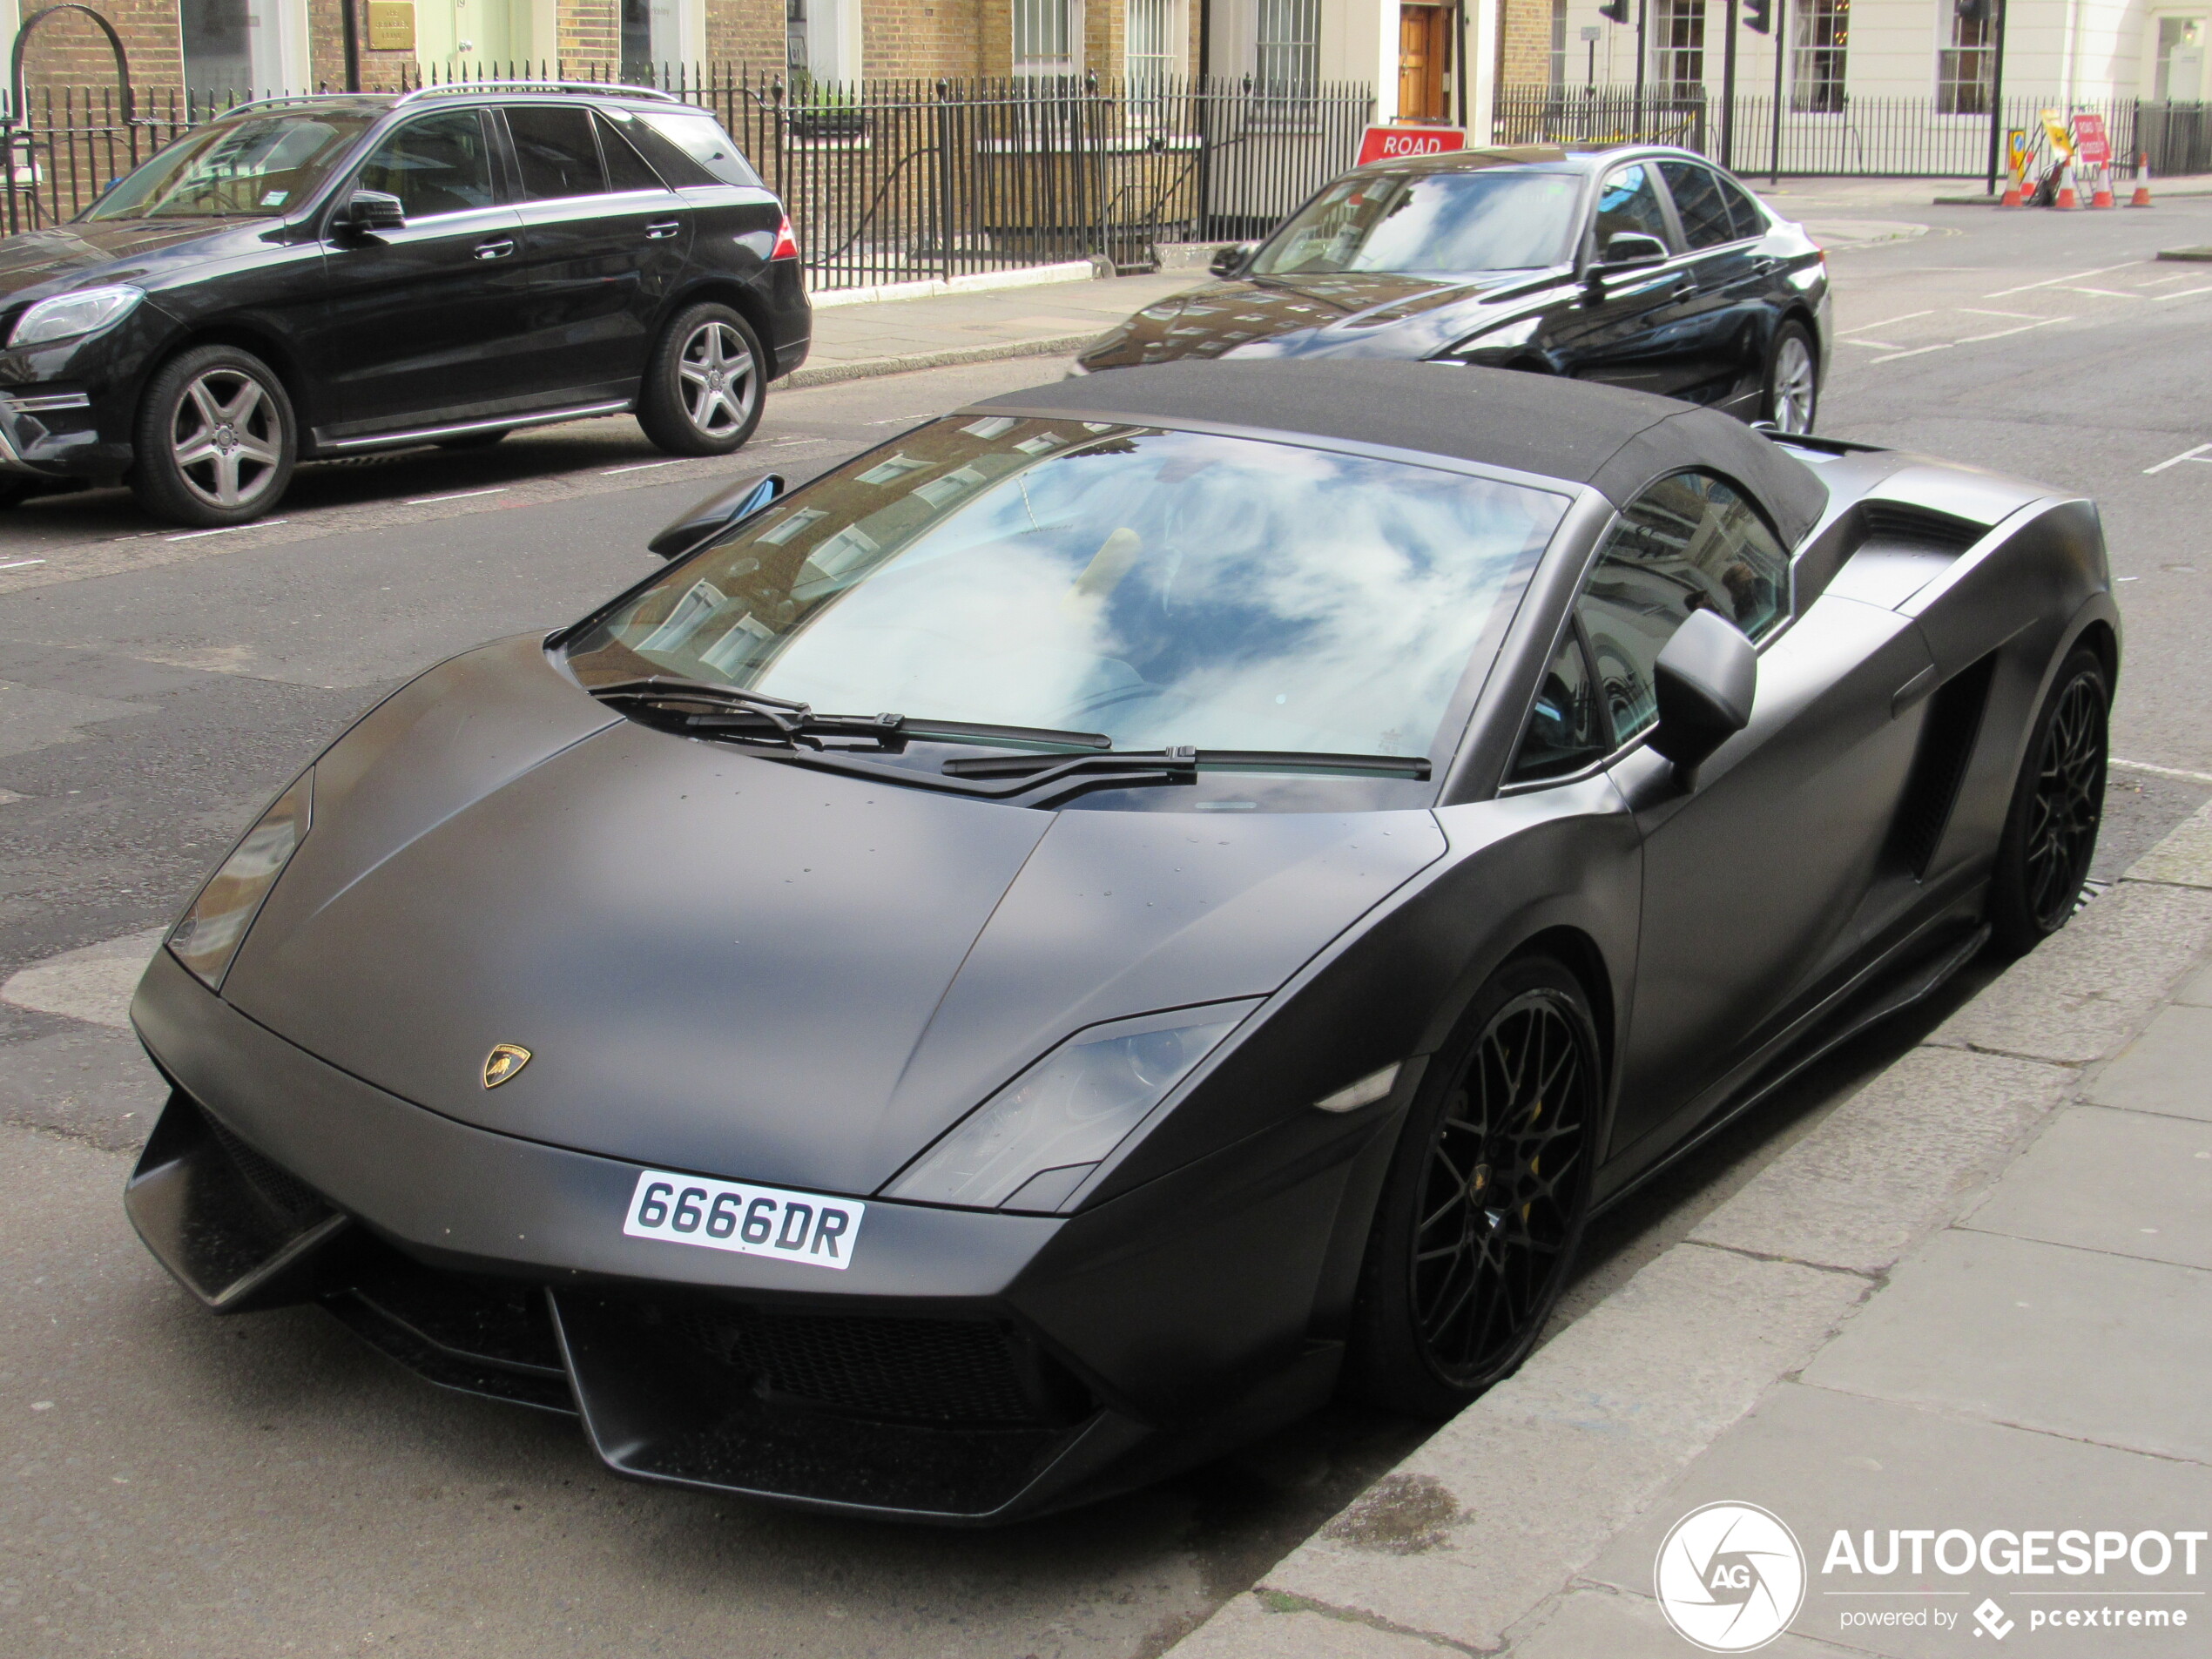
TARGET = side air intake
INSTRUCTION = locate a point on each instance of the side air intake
(1939, 764)
(1894, 523)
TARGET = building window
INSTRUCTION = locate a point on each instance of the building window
(1044, 36)
(1963, 67)
(1821, 33)
(1290, 45)
(1678, 46)
(1151, 54)
(1559, 43)
(2180, 73)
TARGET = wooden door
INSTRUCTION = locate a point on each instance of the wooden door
(1424, 54)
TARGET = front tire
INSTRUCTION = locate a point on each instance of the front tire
(2050, 833)
(215, 440)
(1483, 1207)
(1791, 397)
(705, 383)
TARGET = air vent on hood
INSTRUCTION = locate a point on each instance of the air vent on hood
(1919, 527)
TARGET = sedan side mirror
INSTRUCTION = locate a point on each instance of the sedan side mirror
(709, 518)
(369, 211)
(1628, 250)
(1705, 680)
(1231, 262)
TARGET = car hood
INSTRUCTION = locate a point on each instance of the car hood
(117, 251)
(1366, 314)
(727, 964)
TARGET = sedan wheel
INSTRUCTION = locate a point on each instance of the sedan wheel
(703, 388)
(215, 440)
(1792, 382)
(1483, 1208)
(2058, 803)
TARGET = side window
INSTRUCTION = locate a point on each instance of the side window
(626, 169)
(1565, 732)
(1629, 202)
(1698, 203)
(1689, 541)
(438, 165)
(698, 138)
(1744, 208)
(559, 156)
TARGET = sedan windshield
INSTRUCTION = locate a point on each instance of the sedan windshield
(1491, 220)
(1161, 587)
(255, 166)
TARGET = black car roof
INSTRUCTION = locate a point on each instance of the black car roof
(1613, 440)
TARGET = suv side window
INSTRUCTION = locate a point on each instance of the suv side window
(559, 155)
(1690, 541)
(626, 169)
(440, 163)
(1698, 203)
(1629, 201)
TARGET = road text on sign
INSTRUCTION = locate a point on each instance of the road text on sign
(1396, 143)
(2090, 143)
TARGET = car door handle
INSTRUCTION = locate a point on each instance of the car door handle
(662, 230)
(497, 248)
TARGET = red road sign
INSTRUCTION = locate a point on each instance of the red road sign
(2090, 143)
(1396, 143)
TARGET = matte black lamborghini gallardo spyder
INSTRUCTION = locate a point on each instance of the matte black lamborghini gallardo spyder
(1053, 948)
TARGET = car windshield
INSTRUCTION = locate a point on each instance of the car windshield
(1159, 587)
(1491, 220)
(250, 166)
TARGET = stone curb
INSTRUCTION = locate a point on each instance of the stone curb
(906, 362)
(1474, 1543)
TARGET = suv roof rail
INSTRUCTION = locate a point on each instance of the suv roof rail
(603, 88)
(288, 97)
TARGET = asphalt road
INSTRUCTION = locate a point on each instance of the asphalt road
(171, 1483)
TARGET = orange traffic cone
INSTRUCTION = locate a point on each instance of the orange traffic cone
(2012, 190)
(2142, 181)
(2068, 196)
(2103, 196)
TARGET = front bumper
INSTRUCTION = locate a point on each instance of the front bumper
(967, 1368)
(51, 435)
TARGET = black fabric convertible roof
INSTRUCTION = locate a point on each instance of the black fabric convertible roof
(1614, 441)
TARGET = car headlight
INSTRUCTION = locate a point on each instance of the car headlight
(213, 929)
(1032, 1143)
(67, 315)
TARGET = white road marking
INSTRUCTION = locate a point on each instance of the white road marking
(643, 466)
(19, 563)
(2052, 282)
(2102, 293)
(459, 494)
(1876, 345)
(2160, 282)
(2162, 772)
(2041, 323)
(1984, 311)
(1862, 327)
(226, 529)
(2175, 461)
(1919, 352)
(2181, 294)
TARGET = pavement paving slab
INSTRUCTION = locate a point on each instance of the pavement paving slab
(2067, 1188)
(2163, 1069)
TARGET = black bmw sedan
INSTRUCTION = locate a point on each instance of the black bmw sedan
(314, 277)
(1643, 267)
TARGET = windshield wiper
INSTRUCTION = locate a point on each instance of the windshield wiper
(714, 710)
(1184, 760)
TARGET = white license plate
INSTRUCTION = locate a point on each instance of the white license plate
(752, 1221)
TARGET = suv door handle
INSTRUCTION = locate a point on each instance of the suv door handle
(498, 249)
(663, 230)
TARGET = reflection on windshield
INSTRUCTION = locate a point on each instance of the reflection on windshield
(1159, 587)
(253, 166)
(1442, 222)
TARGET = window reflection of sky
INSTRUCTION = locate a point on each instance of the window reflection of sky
(1440, 222)
(1157, 587)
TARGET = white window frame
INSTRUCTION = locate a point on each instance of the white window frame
(1033, 23)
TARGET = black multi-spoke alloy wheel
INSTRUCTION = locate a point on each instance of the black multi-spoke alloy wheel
(2051, 831)
(704, 384)
(215, 440)
(1483, 1210)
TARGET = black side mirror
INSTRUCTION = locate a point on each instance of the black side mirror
(368, 210)
(1705, 680)
(1231, 260)
(1629, 250)
(709, 518)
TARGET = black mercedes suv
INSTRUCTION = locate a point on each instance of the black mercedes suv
(313, 277)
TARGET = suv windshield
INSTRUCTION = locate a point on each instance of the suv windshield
(1491, 220)
(1158, 587)
(250, 166)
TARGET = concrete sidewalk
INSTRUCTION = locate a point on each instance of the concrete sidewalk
(1976, 1297)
